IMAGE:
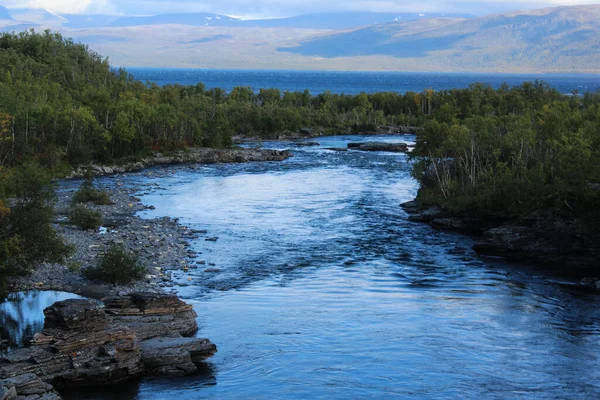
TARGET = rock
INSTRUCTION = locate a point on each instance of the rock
(151, 315)
(426, 215)
(26, 386)
(387, 130)
(336, 148)
(7, 391)
(190, 156)
(457, 224)
(306, 144)
(593, 283)
(309, 132)
(86, 343)
(548, 239)
(379, 146)
(411, 207)
(177, 356)
(75, 314)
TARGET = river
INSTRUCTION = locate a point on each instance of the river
(321, 288)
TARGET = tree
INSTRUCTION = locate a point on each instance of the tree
(26, 234)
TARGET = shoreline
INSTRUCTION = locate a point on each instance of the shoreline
(162, 244)
(541, 238)
(204, 155)
(313, 133)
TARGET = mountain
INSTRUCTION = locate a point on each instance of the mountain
(552, 38)
(343, 20)
(191, 19)
(5, 14)
(79, 21)
(37, 16)
(561, 39)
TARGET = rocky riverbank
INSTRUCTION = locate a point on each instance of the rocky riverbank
(311, 133)
(91, 343)
(162, 245)
(568, 244)
(189, 156)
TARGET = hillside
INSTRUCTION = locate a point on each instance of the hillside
(563, 39)
(331, 20)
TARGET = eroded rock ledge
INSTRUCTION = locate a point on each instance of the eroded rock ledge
(89, 343)
(190, 156)
(541, 237)
(379, 146)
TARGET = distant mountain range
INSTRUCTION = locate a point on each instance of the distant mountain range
(549, 34)
(5, 14)
(340, 20)
(561, 39)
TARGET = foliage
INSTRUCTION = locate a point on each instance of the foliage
(27, 237)
(504, 153)
(117, 266)
(85, 218)
(493, 152)
(87, 193)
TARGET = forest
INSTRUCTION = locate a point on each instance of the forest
(481, 151)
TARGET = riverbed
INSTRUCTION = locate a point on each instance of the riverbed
(317, 286)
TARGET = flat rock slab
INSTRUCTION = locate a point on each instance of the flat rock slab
(88, 343)
(175, 356)
(379, 146)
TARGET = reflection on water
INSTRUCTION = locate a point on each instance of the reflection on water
(325, 290)
(22, 315)
(321, 288)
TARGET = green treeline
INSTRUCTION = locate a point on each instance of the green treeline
(485, 150)
(62, 104)
(491, 153)
(508, 152)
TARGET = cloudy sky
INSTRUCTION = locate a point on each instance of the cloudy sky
(279, 8)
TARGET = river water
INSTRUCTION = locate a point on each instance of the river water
(321, 288)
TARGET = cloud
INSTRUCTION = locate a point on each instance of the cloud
(277, 8)
(67, 6)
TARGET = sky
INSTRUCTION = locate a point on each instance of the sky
(281, 8)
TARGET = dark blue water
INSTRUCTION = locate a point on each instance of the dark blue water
(321, 288)
(355, 82)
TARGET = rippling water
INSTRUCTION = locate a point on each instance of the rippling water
(326, 291)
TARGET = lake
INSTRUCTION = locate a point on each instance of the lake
(355, 82)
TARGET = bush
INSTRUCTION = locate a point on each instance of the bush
(117, 266)
(84, 218)
(27, 237)
(87, 193)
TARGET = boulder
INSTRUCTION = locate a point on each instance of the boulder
(152, 315)
(26, 386)
(379, 146)
(76, 315)
(85, 342)
(306, 144)
(178, 356)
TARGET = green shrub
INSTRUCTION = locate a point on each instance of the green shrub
(117, 266)
(84, 218)
(27, 237)
(87, 193)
